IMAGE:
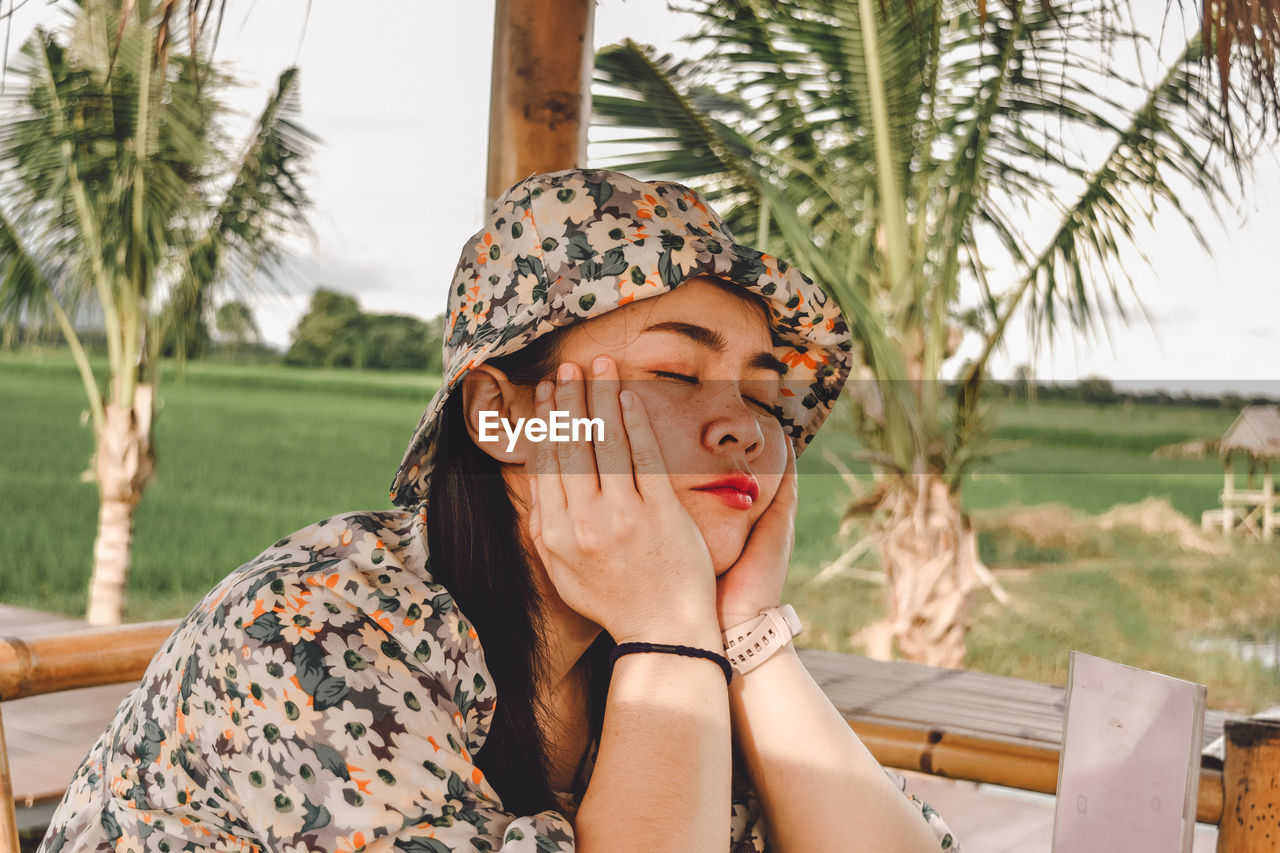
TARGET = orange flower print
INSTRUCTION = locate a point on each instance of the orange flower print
(634, 283)
(695, 202)
(649, 207)
(353, 844)
(801, 358)
(487, 250)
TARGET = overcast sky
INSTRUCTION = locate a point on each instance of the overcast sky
(399, 92)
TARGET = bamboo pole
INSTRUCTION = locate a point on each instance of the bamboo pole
(540, 94)
(1251, 787)
(979, 759)
(32, 666)
(35, 665)
(8, 816)
(1031, 768)
(113, 655)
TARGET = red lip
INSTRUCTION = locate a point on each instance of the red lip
(741, 482)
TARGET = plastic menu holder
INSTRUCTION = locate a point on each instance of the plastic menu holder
(1130, 767)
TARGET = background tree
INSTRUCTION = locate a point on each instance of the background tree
(893, 150)
(236, 325)
(328, 335)
(336, 333)
(118, 185)
(1097, 389)
(401, 342)
(1024, 383)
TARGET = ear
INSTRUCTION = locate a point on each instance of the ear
(487, 392)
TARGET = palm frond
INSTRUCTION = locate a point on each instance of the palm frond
(1170, 138)
(888, 148)
(25, 286)
(27, 290)
(264, 202)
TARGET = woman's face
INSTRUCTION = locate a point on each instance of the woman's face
(701, 359)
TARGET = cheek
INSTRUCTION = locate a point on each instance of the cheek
(675, 429)
(769, 465)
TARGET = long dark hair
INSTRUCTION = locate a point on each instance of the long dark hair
(474, 542)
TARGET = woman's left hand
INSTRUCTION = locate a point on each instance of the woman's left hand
(754, 582)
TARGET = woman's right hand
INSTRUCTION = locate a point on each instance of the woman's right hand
(620, 550)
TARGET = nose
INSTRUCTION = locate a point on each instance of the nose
(732, 425)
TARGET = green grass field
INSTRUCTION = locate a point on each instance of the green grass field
(245, 455)
(250, 453)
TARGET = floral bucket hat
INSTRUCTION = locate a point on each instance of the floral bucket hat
(563, 247)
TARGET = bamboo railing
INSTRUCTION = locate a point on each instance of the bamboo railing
(88, 658)
(99, 656)
(49, 664)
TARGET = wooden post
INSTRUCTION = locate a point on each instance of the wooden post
(540, 96)
(1251, 787)
(1227, 482)
(1268, 495)
(8, 815)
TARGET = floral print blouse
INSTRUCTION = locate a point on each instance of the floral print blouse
(325, 697)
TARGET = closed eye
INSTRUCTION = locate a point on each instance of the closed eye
(679, 377)
(772, 410)
(776, 411)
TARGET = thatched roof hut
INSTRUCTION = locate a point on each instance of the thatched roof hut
(1255, 433)
(1255, 436)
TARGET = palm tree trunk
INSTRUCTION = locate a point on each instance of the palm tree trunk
(930, 558)
(123, 463)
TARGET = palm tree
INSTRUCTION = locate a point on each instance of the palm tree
(119, 186)
(894, 151)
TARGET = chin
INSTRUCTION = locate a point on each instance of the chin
(725, 531)
(724, 543)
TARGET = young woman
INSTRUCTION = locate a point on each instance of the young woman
(534, 655)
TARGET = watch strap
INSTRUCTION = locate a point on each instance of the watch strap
(753, 642)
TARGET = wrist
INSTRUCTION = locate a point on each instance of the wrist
(732, 620)
(675, 649)
(751, 643)
(769, 667)
(732, 617)
(703, 636)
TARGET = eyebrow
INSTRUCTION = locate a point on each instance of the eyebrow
(767, 361)
(713, 340)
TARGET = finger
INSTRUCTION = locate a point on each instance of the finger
(781, 511)
(613, 452)
(784, 503)
(649, 469)
(781, 514)
(534, 516)
(577, 458)
(535, 525)
(550, 498)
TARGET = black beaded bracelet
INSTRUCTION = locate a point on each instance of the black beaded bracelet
(687, 651)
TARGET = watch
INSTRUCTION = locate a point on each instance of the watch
(753, 642)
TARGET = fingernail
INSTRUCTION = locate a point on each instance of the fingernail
(628, 399)
(544, 389)
(566, 372)
(600, 365)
